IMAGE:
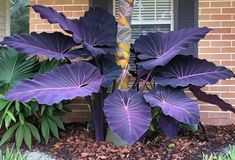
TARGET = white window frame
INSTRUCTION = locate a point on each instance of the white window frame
(158, 22)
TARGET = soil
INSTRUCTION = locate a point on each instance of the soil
(77, 143)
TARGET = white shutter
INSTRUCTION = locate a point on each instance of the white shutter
(149, 16)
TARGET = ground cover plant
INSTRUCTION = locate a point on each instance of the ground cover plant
(230, 155)
(90, 71)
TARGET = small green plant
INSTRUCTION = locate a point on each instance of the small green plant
(230, 155)
(11, 154)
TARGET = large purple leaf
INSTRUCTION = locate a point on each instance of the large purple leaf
(54, 17)
(96, 30)
(174, 103)
(79, 79)
(128, 114)
(53, 45)
(212, 99)
(157, 49)
(169, 126)
(185, 70)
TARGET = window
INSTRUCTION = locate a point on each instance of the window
(150, 16)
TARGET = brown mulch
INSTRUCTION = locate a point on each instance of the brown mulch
(76, 143)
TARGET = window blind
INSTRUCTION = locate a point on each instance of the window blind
(149, 16)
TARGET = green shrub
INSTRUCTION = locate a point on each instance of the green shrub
(21, 119)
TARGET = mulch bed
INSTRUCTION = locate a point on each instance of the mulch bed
(76, 143)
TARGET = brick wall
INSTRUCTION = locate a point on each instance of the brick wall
(219, 47)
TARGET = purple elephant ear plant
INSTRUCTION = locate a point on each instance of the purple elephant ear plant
(127, 112)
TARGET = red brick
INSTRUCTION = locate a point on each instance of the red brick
(220, 56)
(221, 17)
(209, 24)
(227, 23)
(204, 43)
(210, 11)
(60, 2)
(233, 30)
(221, 43)
(212, 37)
(46, 2)
(204, 17)
(85, 8)
(228, 50)
(72, 8)
(80, 1)
(204, 56)
(43, 26)
(229, 37)
(220, 4)
(204, 4)
(221, 30)
(228, 10)
(78, 14)
(209, 50)
(228, 63)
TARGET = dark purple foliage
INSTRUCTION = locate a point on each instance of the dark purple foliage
(53, 45)
(96, 30)
(185, 70)
(174, 103)
(157, 49)
(128, 114)
(111, 71)
(212, 99)
(169, 126)
(79, 79)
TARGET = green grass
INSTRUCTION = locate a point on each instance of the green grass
(230, 155)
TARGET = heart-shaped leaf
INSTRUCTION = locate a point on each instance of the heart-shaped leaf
(186, 70)
(157, 49)
(53, 45)
(66, 82)
(174, 103)
(128, 114)
(96, 30)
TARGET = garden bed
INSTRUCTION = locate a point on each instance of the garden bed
(77, 143)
